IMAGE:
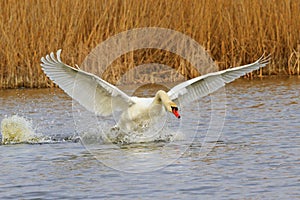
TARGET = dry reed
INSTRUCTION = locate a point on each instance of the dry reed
(233, 32)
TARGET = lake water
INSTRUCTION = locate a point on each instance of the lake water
(257, 155)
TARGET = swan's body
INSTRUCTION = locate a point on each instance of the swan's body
(102, 98)
(146, 111)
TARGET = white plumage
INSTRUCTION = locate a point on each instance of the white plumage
(97, 95)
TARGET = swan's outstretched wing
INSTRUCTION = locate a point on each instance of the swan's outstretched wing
(95, 94)
(203, 85)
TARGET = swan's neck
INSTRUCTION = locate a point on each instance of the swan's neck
(162, 98)
(163, 102)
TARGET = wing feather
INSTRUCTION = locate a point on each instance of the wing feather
(203, 85)
(95, 94)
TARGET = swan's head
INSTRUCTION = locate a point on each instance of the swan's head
(173, 108)
(162, 97)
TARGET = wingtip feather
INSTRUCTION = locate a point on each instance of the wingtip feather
(58, 55)
(264, 60)
(51, 59)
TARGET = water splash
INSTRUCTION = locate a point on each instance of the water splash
(116, 136)
(17, 129)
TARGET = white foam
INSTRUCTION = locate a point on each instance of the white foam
(17, 129)
(114, 135)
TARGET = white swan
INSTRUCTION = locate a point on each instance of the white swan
(97, 95)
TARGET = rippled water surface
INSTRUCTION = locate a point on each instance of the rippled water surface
(257, 156)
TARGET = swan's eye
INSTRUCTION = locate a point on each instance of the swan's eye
(174, 108)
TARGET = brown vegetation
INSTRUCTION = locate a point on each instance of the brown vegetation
(233, 32)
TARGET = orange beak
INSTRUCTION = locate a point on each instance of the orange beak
(175, 112)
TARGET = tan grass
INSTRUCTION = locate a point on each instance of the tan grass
(233, 32)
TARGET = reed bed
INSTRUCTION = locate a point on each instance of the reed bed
(233, 32)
